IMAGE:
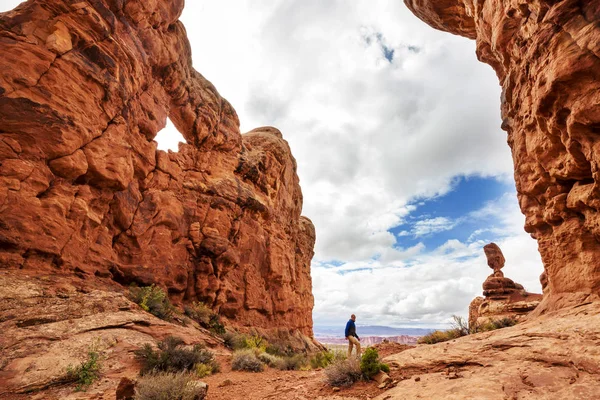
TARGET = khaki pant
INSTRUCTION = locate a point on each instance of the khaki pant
(352, 341)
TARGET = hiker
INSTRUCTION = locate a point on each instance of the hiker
(352, 337)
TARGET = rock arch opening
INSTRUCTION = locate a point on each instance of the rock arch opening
(169, 138)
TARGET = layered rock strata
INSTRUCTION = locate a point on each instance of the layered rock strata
(503, 298)
(546, 55)
(84, 88)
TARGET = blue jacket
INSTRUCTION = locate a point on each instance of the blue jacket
(350, 329)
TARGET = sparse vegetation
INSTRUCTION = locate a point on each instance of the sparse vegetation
(370, 364)
(205, 316)
(293, 363)
(153, 300)
(172, 356)
(271, 360)
(324, 358)
(496, 324)
(167, 386)
(461, 328)
(246, 360)
(199, 312)
(438, 336)
(85, 373)
(343, 372)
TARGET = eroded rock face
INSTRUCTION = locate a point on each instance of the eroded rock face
(547, 57)
(84, 88)
(504, 298)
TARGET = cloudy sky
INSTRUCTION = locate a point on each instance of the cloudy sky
(396, 130)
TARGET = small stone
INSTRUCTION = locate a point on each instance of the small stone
(336, 389)
(226, 382)
(417, 379)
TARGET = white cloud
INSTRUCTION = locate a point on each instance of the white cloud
(433, 225)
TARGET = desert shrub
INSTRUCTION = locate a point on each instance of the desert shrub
(199, 312)
(85, 373)
(271, 360)
(385, 368)
(292, 363)
(168, 386)
(280, 349)
(256, 342)
(492, 325)
(322, 359)
(343, 372)
(230, 339)
(205, 316)
(153, 300)
(460, 325)
(203, 370)
(370, 364)
(246, 360)
(171, 356)
(215, 325)
(439, 336)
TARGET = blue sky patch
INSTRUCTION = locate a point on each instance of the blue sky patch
(439, 219)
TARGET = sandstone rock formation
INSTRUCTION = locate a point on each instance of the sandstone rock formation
(546, 55)
(84, 88)
(503, 297)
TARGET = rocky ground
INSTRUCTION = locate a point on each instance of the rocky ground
(555, 356)
(49, 324)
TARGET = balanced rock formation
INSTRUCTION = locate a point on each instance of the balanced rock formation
(84, 88)
(503, 297)
(546, 55)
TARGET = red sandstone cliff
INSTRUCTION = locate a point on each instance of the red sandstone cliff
(547, 57)
(84, 88)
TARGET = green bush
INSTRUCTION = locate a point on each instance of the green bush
(343, 372)
(85, 373)
(246, 360)
(169, 386)
(171, 356)
(203, 370)
(385, 368)
(153, 300)
(370, 364)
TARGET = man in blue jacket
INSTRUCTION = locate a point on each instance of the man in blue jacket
(352, 337)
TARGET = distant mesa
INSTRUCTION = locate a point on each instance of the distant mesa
(502, 296)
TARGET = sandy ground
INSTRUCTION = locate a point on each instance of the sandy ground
(292, 385)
